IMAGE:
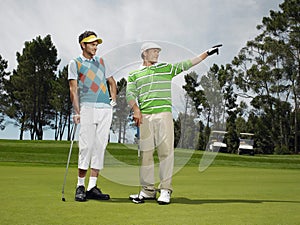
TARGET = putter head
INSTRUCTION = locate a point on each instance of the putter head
(138, 200)
(63, 199)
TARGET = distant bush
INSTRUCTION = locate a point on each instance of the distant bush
(281, 150)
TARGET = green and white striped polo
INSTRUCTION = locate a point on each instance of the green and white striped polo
(151, 86)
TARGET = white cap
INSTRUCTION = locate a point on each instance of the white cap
(149, 45)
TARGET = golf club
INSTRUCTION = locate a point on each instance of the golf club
(217, 46)
(69, 157)
(138, 200)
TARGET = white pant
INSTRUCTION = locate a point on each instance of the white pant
(93, 136)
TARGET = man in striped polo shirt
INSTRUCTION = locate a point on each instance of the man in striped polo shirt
(149, 95)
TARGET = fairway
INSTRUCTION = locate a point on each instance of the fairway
(222, 194)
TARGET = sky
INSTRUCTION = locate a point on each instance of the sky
(183, 29)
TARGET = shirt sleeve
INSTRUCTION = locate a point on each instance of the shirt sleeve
(131, 90)
(108, 72)
(72, 70)
(177, 68)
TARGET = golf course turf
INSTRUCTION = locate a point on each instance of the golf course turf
(233, 190)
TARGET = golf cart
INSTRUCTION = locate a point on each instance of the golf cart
(216, 143)
(246, 144)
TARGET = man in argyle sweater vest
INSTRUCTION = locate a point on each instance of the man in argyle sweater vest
(92, 106)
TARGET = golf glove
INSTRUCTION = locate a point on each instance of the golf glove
(113, 103)
(213, 50)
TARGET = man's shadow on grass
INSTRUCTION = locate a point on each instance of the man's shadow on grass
(182, 200)
(187, 201)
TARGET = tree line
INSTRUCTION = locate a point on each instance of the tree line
(258, 92)
(265, 74)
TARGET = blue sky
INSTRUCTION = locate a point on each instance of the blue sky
(193, 25)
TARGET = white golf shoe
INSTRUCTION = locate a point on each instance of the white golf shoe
(165, 196)
(143, 195)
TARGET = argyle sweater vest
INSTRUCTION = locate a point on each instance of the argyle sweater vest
(92, 81)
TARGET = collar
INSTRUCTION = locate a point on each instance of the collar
(85, 59)
(142, 66)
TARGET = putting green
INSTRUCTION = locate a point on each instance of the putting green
(219, 195)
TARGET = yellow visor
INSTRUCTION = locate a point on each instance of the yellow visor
(90, 39)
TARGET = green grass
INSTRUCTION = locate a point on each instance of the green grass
(51, 153)
(234, 190)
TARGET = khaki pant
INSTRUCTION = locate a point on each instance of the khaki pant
(157, 131)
